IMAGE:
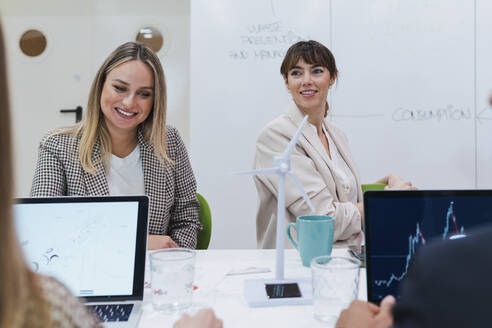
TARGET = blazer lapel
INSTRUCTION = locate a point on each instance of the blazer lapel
(310, 137)
(154, 177)
(97, 183)
(342, 148)
(309, 134)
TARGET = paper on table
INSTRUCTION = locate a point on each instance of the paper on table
(248, 270)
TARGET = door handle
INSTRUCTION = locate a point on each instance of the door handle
(77, 110)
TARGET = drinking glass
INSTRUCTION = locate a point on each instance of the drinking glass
(172, 273)
(335, 285)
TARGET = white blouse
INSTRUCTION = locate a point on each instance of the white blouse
(125, 175)
(341, 169)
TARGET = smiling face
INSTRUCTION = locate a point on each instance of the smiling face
(127, 96)
(309, 85)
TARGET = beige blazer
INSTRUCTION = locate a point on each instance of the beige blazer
(311, 164)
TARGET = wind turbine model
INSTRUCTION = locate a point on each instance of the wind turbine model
(280, 291)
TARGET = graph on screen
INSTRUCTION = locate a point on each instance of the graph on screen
(418, 239)
(401, 224)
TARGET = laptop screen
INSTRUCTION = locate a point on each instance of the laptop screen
(88, 243)
(397, 223)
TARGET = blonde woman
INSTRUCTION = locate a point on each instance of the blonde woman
(29, 300)
(123, 147)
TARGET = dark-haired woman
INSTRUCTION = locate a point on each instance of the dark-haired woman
(321, 160)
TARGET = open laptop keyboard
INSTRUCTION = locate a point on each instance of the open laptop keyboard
(112, 312)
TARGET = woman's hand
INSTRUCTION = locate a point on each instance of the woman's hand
(395, 182)
(159, 241)
(205, 318)
(363, 314)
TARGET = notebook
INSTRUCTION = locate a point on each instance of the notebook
(94, 245)
(398, 223)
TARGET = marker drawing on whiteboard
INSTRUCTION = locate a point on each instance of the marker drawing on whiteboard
(273, 27)
(264, 41)
(485, 114)
(449, 113)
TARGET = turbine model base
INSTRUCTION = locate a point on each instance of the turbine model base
(256, 292)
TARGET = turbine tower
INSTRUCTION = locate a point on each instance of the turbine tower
(254, 289)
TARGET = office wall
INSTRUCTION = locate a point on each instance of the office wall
(80, 34)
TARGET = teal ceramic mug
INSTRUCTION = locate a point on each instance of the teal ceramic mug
(314, 236)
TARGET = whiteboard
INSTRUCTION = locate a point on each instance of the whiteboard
(484, 91)
(409, 96)
(410, 64)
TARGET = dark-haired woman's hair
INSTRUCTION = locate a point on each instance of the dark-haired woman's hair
(311, 52)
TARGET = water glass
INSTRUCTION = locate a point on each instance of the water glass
(335, 285)
(172, 272)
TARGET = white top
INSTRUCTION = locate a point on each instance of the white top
(341, 169)
(125, 175)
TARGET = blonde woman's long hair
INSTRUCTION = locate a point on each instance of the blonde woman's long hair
(21, 301)
(93, 129)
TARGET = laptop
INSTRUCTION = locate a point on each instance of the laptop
(398, 223)
(94, 245)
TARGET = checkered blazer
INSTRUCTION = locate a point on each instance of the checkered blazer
(171, 189)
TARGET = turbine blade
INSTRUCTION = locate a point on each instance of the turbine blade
(299, 186)
(293, 142)
(257, 172)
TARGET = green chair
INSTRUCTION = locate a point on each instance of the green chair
(205, 217)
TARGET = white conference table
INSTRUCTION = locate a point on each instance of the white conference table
(224, 293)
